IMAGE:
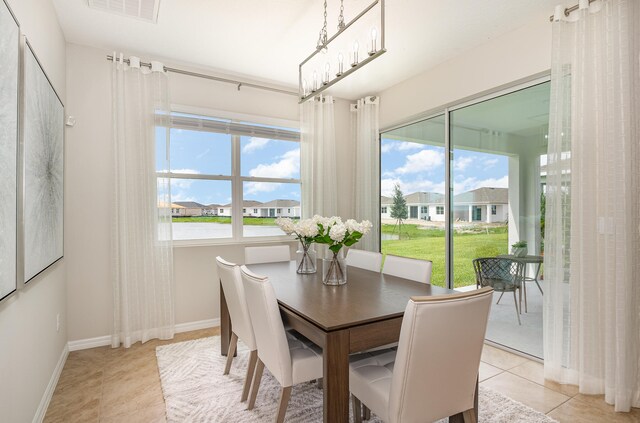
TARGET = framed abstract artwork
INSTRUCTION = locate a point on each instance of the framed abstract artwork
(9, 105)
(43, 137)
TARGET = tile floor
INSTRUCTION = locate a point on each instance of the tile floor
(118, 385)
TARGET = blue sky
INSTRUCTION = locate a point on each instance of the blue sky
(210, 153)
(418, 167)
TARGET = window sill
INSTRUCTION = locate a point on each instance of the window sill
(230, 241)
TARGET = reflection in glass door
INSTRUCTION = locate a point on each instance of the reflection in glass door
(496, 160)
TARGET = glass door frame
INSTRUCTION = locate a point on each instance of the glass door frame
(447, 110)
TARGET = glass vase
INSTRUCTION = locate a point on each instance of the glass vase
(334, 270)
(306, 259)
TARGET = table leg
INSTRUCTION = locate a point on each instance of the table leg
(225, 324)
(336, 377)
(459, 418)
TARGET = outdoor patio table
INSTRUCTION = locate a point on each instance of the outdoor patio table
(364, 313)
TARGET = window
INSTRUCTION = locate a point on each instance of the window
(424, 209)
(439, 209)
(494, 210)
(222, 168)
(288, 210)
(383, 210)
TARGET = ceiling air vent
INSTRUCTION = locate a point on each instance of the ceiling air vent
(146, 10)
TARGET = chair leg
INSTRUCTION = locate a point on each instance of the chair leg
(251, 367)
(469, 416)
(515, 301)
(357, 409)
(524, 288)
(284, 402)
(366, 412)
(255, 385)
(501, 294)
(231, 352)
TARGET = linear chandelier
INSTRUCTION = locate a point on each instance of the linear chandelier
(315, 72)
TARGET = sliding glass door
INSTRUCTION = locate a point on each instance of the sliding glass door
(495, 151)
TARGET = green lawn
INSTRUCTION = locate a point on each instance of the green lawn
(254, 221)
(429, 244)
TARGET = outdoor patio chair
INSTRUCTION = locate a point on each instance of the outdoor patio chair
(502, 274)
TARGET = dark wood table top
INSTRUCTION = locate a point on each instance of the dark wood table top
(366, 297)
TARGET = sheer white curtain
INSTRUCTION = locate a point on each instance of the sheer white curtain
(365, 128)
(142, 251)
(318, 158)
(592, 268)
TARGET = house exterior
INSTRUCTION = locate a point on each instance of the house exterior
(191, 208)
(488, 205)
(211, 210)
(281, 208)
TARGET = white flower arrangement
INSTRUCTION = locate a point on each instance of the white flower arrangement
(304, 230)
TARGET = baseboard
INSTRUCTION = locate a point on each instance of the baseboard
(197, 325)
(101, 341)
(51, 387)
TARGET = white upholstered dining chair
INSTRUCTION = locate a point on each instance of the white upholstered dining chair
(408, 268)
(364, 260)
(416, 382)
(267, 254)
(242, 329)
(288, 360)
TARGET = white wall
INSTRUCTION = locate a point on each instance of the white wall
(30, 346)
(89, 173)
(508, 58)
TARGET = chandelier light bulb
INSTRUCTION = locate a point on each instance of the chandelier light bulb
(340, 64)
(325, 80)
(374, 39)
(315, 81)
(304, 87)
(356, 46)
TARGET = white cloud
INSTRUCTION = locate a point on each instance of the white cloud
(287, 167)
(254, 144)
(462, 163)
(204, 153)
(489, 163)
(421, 161)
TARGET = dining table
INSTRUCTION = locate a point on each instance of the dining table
(364, 313)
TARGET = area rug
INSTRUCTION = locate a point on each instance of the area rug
(195, 390)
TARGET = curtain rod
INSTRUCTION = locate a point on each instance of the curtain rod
(568, 10)
(239, 84)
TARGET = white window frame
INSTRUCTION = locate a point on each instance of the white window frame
(237, 180)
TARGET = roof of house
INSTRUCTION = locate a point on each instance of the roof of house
(281, 203)
(162, 204)
(212, 206)
(424, 198)
(190, 204)
(246, 203)
(386, 200)
(484, 195)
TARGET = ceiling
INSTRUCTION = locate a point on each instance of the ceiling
(265, 40)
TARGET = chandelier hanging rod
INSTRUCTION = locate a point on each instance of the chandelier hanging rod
(351, 22)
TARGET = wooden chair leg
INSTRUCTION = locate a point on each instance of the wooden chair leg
(232, 351)
(251, 367)
(366, 413)
(255, 385)
(357, 409)
(515, 301)
(469, 416)
(284, 402)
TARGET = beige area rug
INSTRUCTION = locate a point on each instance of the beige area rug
(196, 391)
